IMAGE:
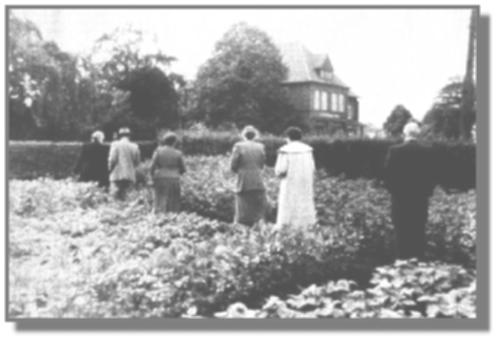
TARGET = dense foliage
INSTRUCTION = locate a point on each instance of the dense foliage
(407, 289)
(443, 120)
(99, 258)
(454, 163)
(57, 95)
(241, 83)
(396, 121)
(45, 84)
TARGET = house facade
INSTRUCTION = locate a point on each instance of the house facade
(315, 90)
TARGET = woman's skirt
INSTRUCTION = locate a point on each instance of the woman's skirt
(250, 207)
(167, 194)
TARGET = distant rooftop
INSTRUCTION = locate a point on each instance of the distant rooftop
(302, 63)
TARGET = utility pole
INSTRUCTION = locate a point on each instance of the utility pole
(468, 96)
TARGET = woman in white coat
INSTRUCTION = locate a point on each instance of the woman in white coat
(295, 166)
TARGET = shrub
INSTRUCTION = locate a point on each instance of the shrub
(406, 289)
(454, 163)
(207, 190)
(45, 196)
(126, 262)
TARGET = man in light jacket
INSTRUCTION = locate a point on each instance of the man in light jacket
(124, 157)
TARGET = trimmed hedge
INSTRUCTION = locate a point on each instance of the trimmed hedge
(454, 163)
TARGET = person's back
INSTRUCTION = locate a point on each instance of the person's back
(167, 166)
(408, 169)
(410, 181)
(124, 158)
(248, 161)
(92, 164)
(168, 162)
(295, 166)
(97, 168)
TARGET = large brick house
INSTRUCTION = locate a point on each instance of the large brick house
(316, 91)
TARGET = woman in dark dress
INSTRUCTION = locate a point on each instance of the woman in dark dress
(167, 166)
(92, 166)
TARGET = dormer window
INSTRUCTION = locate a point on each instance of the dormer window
(325, 74)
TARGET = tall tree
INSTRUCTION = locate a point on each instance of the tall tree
(45, 97)
(443, 120)
(240, 83)
(396, 121)
(468, 97)
(123, 65)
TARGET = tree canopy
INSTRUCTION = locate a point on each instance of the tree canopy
(442, 121)
(396, 121)
(143, 87)
(57, 95)
(241, 82)
(47, 93)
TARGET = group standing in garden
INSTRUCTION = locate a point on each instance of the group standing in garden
(295, 167)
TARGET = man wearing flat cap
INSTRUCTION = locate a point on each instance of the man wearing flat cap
(124, 157)
(410, 181)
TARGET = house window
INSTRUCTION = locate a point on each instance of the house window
(341, 102)
(350, 112)
(324, 100)
(334, 102)
(316, 100)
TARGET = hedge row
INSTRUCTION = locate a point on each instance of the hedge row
(454, 162)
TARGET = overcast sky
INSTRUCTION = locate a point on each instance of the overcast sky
(386, 56)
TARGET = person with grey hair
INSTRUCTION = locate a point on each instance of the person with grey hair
(92, 163)
(167, 167)
(124, 157)
(409, 179)
(247, 161)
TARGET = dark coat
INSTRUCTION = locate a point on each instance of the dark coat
(92, 165)
(409, 179)
(408, 170)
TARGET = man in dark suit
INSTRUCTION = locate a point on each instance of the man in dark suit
(247, 161)
(409, 180)
(92, 164)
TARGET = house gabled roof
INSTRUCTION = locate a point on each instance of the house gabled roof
(302, 65)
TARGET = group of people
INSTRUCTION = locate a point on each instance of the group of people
(294, 167)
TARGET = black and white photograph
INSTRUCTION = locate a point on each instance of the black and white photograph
(219, 163)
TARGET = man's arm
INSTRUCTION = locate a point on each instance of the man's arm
(235, 159)
(389, 172)
(113, 158)
(154, 161)
(262, 161)
(182, 166)
(137, 156)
